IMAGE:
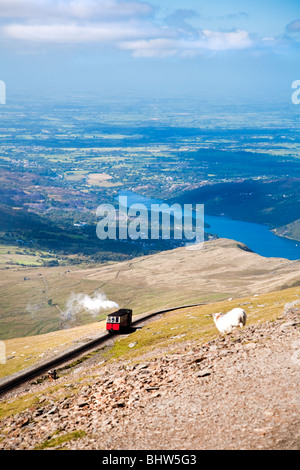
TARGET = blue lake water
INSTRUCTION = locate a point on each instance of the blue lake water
(256, 236)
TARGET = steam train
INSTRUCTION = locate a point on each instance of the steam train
(119, 320)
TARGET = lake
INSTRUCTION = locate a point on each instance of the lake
(257, 237)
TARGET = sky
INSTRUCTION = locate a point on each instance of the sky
(209, 48)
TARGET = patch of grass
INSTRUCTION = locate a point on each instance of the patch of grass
(59, 440)
(32, 401)
(195, 324)
(9, 408)
(25, 352)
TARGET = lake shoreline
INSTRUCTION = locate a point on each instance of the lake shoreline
(259, 238)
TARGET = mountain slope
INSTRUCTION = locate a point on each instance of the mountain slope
(290, 230)
(177, 385)
(271, 202)
(221, 269)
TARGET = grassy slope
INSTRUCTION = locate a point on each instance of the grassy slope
(220, 271)
(175, 332)
(174, 329)
(177, 277)
(25, 352)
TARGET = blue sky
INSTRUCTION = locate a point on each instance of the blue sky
(168, 46)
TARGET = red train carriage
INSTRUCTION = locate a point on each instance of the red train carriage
(118, 321)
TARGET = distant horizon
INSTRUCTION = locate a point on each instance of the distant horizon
(38, 95)
(150, 47)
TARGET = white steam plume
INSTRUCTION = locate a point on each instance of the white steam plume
(78, 302)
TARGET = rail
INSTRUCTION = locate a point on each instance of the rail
(13, 381)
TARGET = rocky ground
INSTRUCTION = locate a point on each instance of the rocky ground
(237, 392)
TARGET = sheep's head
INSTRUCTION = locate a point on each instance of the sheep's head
(216, 316)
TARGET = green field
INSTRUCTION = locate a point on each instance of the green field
(33, 299)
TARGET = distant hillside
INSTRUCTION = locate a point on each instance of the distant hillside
(24, 228)
(19, 219)
(290, 230)
(272, 202)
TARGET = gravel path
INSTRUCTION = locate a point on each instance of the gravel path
(237, 392)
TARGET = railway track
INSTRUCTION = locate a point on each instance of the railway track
(13, 381)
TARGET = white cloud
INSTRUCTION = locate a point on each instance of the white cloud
(218, 41)
(21, 8)
(74, 9)
(141, 38)
(206, 41)
(104, 9)
(128, 25)
(159, 47)
(76, 21)
(76, 33)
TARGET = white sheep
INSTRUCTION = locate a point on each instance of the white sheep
(226, 322)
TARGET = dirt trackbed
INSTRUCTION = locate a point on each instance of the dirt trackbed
(237, 392)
